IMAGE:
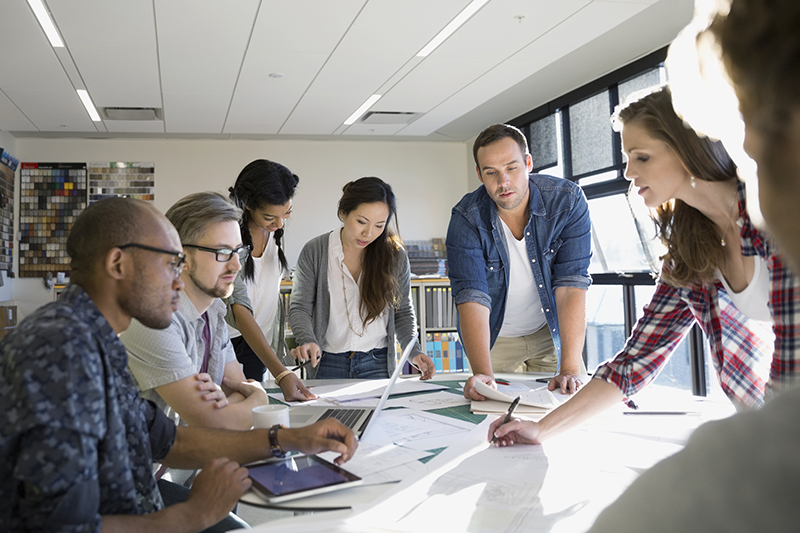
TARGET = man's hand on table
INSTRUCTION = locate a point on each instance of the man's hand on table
(325, 435)
(469, 387)
(568, 382)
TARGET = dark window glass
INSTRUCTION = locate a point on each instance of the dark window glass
(647, 80)
(591, 136)
(543, 143)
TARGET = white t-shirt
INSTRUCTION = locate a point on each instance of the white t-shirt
(339, 337)
(753, 300)
(524, 314)
(264, 290)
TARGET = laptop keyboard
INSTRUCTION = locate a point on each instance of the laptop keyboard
(348, 417)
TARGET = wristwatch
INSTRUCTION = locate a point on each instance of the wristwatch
(274, 447)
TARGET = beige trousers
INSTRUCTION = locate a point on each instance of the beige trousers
(530, 353)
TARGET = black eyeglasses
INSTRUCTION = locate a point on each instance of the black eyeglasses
(224, 255)
(177, 266)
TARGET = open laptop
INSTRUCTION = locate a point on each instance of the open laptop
(356, 418)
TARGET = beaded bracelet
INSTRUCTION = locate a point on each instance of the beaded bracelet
(282, 375)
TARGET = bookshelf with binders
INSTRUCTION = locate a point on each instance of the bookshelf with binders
(437, 324)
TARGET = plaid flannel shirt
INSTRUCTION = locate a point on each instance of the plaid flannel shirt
(740, 355)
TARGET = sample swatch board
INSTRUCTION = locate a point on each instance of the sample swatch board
(51, 196)
(115, 178)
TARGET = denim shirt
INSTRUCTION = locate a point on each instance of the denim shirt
(559, 242)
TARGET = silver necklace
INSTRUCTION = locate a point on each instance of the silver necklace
(347, 310)
(735, 197)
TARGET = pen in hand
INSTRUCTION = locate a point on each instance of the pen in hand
(304, 363)
(507, 418)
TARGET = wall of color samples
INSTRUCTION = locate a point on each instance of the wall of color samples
(51, 196)
(6, 218)
(134, 180)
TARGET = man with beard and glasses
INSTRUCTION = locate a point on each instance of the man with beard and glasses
(77, 442)
(189, 369)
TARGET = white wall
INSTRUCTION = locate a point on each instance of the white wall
(428, 178)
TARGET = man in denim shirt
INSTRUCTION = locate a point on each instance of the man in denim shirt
(512, 318)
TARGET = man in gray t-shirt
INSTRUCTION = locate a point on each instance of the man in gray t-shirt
(189, 369)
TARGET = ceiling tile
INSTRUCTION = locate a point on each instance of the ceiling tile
(126, 77)
(104, 24)
(584, 26)
(196, 112)
(494, 32)
(49, 110)
(308, 26)
(343, 85)
(433, 81)
(209, 25)
(261, 104)
(11, 118)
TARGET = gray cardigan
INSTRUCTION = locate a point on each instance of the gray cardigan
(309, 310)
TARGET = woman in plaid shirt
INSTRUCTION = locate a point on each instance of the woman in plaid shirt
(719, 271)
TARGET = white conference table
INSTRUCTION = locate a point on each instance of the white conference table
(559, 486)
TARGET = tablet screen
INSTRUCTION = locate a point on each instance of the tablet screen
(297, 474)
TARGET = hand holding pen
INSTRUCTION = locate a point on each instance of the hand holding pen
(305, 363)
(305, 353)
(506, 419)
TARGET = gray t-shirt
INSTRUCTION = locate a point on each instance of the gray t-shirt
(158, 357)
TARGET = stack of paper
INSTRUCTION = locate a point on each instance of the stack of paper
(532, 401)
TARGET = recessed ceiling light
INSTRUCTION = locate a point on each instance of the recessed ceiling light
(88, 104)
(276, 75)
(361, 110)
(46, 23)
(448, 30)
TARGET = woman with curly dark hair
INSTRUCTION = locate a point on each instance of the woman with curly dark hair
(264, 191)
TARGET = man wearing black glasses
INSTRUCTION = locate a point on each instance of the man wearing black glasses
(189, 369)
(77, 442)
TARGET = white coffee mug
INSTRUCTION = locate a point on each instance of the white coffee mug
(266, 416)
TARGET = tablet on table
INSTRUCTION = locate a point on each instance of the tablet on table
(298, 477)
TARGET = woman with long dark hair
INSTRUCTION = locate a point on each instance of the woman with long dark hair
(351, 291)
(264, 191)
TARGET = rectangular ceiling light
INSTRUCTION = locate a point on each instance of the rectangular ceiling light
(363, 109)
(448, 30)
(46, 23)
(89, 105)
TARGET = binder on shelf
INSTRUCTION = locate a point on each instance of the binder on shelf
(439, 307)
(445, 354)
(428, 307)
(437, 351)
(429, 346)
(451, 353)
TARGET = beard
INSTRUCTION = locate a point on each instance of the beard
(221, 289)
(148, 304)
